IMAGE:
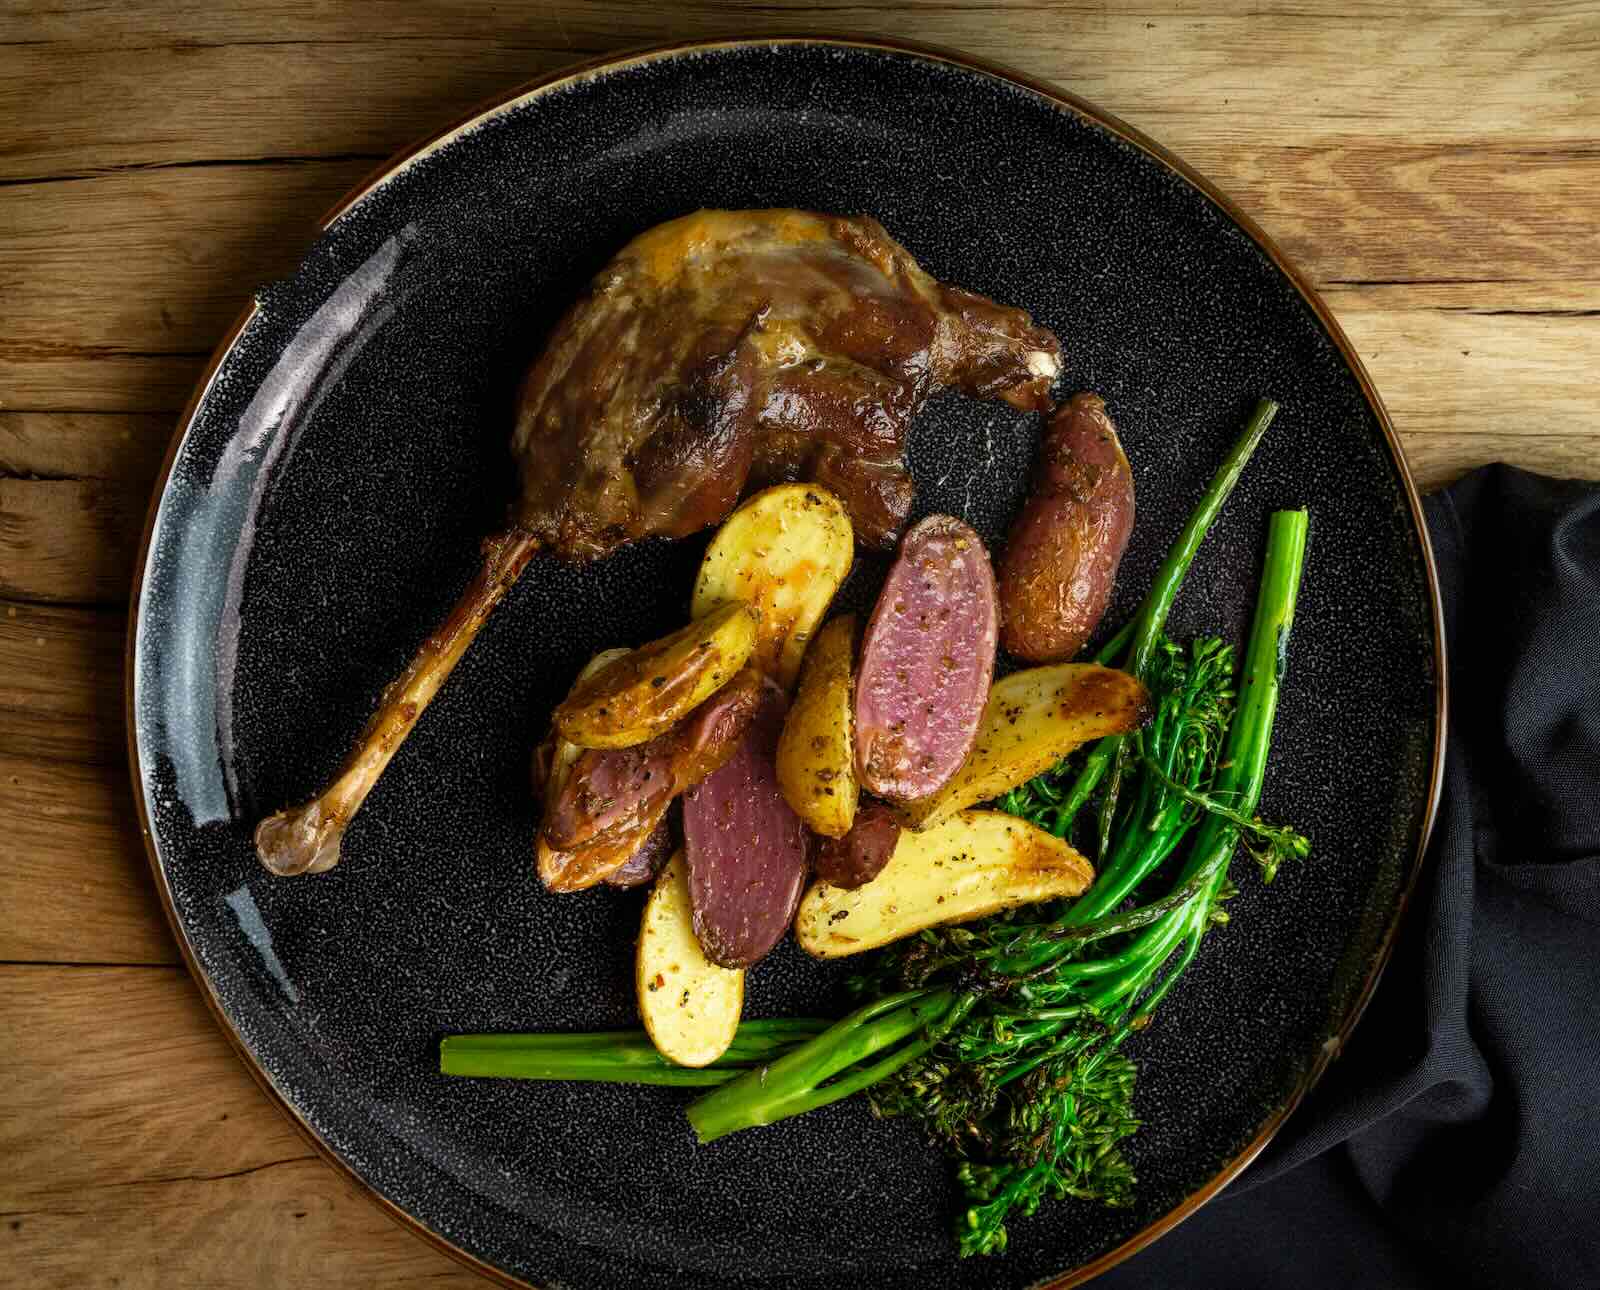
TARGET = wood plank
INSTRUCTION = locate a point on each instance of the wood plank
(74, 488)
(116, 290)
(73, 875)
(1359, 209)
(151, 1092)
(73, 377)
(1440, 459)
(83, 445)
(69, 540)
(142, 1132)
(1465, 371)
(285, 1224)
(61, 684)
(1187, 71)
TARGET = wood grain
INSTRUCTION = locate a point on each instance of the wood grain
(138, 1152)
(83, 445)
(1449, 371)
(346, 78)
(117, 289)
(74, 490)
(61, 684)
(73, 876)
(69, 540)
(1432, 167)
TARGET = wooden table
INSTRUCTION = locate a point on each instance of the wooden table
(1434, 168)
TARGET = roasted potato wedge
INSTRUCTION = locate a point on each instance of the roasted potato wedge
(1033, 719)
(689, 1005)
(927, 657)
(552, 863)
(975, 863)
(816, 755)
(647, 690)
(785, 552)
(748, 854)
(1061, 559)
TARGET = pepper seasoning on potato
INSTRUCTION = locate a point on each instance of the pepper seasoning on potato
(816, 753)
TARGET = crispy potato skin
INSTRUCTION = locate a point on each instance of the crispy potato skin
(974, 863)
(1061, 558)
(651, 857)
(926, 661)
(784, 552)
(860, 855)
(748, 853)
(603, 806)
(1033, 719)
(816, 753)
(552, 764)
(645, 692)
(690, 1007)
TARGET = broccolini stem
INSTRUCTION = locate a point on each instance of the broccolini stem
(1152, 619)
(1112, 649)
(1244, 758)
(617, 1057)
(796, 1082)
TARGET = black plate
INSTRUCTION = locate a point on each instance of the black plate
(323, 508)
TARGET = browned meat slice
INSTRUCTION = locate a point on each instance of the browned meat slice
(730, 348)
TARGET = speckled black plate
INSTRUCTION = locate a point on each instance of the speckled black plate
(325, 498)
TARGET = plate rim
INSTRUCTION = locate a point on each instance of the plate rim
(621, 59)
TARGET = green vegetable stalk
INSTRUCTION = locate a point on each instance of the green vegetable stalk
(616, 1057)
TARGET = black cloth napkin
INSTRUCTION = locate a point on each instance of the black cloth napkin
(1456, 1142)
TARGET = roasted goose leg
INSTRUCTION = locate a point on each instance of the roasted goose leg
(716, 353)
(738, 348)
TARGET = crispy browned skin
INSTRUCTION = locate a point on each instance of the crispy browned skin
(1061, 558)
(733, 349)
(615, 798)
(859, 856)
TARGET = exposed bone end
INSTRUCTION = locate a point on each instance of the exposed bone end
(1043, 363)
(302, 839)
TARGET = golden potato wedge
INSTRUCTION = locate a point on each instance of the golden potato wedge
(552, 863)
(816, 753)
(689, 1005)
(785, 551)
(648, 690)
(1033, 719)
(974, 863)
